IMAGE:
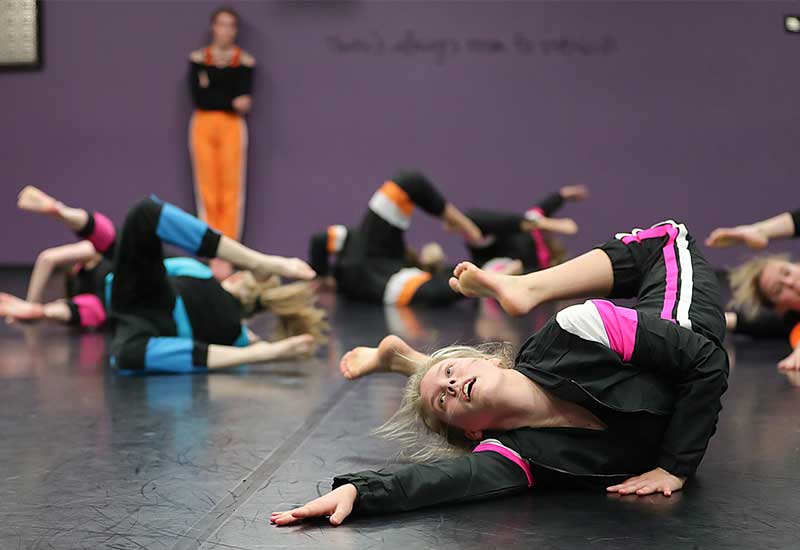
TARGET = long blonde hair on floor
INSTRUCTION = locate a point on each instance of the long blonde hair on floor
(747, 295)
(294, 304)
(423, 437)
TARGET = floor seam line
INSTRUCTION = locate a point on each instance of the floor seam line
(214, 519)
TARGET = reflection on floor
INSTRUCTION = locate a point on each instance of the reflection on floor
(91, 459)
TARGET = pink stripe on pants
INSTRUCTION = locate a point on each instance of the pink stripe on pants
(670, 261)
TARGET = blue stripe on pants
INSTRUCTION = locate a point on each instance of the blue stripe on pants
(178, 228)
(169, 355)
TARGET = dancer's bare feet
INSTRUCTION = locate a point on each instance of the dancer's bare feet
(35, 200)
(391, 355)
(16, 309)
(288, 348)
(513, 294)
(360, 361)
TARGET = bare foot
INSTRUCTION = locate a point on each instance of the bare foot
(293, 268)
(512, 293)
(16, 309)
(288, 348)
(392, 354)
(35, 200)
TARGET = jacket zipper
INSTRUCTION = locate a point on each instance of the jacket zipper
(596, 400)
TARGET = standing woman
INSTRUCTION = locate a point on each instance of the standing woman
(221, 78)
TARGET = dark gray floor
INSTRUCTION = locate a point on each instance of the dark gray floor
(90, 459)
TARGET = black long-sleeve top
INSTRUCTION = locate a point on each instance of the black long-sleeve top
(659, 397)
(768, 324)
(224, 83)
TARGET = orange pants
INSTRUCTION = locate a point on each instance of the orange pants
(218, 145)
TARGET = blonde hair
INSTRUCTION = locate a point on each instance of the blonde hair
(426, 437)
(294, 304)
(744, 280)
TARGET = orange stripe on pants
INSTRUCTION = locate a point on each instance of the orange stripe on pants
(398, 196)
(794, 336)
(411, 287)
(218, 145)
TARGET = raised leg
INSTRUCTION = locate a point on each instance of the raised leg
(587, 275)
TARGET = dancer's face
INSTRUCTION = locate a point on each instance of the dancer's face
(780, 282)
(463, 393)
(224, 29)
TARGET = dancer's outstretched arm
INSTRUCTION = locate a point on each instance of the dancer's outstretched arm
(577, 192)
(455, 220)
(492, 470)
(51, 258)
(757, 235)
(553, 202)
(175, 355)
(564, 226)
(541, 215)
(220, 357)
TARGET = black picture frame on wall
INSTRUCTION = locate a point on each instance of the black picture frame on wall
(36, 64)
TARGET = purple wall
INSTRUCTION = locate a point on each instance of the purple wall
(686, 110)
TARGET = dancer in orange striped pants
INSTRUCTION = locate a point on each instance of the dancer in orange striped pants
(372, 263)
(221, 82)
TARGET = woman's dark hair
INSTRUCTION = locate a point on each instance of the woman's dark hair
(224, 9)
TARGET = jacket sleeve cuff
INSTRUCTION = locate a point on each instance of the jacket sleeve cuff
(370, 491)
(676, 467)
(796, 220)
